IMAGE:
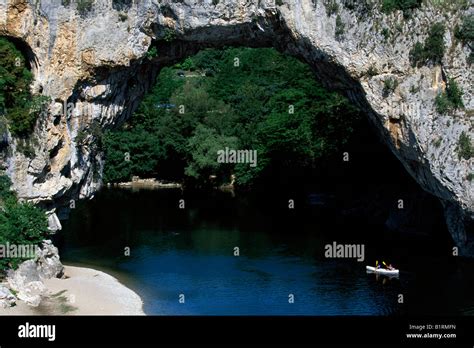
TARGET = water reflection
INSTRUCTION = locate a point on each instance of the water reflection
(191, 252)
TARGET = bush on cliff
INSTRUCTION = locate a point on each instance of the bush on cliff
(403, 5)
(465, 33)
(16, 102)
(465, 148)
(450, 99)
(20, 223)
(433, 48)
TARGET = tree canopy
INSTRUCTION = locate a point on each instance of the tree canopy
(20, 223)
(241, 98)
(16, 102)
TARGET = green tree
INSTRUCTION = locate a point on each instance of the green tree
(434, 44)
(433, 48)
(203, 147)
(465, 32)
(16, 102)
(20, 223)
(450, 99)
(251, 99)
(403, 5)
(465, 148)
(15, 78)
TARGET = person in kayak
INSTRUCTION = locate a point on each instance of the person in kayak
(377, 265)
(389, 267)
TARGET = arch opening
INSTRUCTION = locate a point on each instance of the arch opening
(370, 165)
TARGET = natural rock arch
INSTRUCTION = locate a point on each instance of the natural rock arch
(97, 61)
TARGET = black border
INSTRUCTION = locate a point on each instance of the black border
(195, 330)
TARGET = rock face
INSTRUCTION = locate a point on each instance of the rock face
(47, 261)
(95, 59)
(7, 299)
(27, 279)
(26, 282)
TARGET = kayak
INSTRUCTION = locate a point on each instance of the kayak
(371, 269)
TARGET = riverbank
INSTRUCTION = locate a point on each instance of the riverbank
(138, 183)
(83, 291)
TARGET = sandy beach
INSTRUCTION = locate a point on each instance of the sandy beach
(84, 291)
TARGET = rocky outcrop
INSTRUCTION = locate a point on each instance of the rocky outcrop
(95, 59)
(53, 222)
(27, 279)
(48, 262)
(26, 282)
(7, 299)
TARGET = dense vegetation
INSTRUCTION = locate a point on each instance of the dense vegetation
(403, 5)
(465, 33)
(389, 86)
(83, 6)
(240, 98)
(465, 148)
(433, 48)
(450, 99)
(20, 223)
(16, 102)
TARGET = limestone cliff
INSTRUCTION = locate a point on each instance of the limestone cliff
(94, 57)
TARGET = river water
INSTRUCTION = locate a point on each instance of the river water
(191, 252)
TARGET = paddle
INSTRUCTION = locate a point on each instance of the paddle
(389, 268)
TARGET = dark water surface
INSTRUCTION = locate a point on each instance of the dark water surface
(191, 251)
